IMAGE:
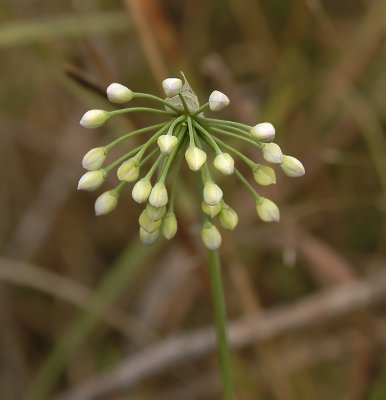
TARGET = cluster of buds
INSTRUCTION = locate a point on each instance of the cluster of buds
(185, 132)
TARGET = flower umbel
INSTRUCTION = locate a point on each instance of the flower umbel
(185, 132)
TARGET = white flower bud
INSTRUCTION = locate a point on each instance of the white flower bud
(272, 153)
(147, 224)
(118, 93)
(155, 214)
(224, 163)
(94, 158)
(158, 195)
(91, 180)
(228, 217)
(264, 175)
(169, 227)
(264, 131)
(148, 238)
(195, 158)
(210, 236)
(292, 167)
(212, 193)
(172, 86)
(94, 118)
(167, 143)
(141, 190)
(106, 203)
(212, 211)
(267, 210)
(129, 170)
(218, 101)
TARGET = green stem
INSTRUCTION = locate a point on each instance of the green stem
(143, 109)
(208, 137)
(201, 109)
(184, 103)
(247, 184)
(151, 171)
(156, 98)
(125, 157)
(191, 131)
(220, 317)
(213, 121)
(134, 133)
(237, 136)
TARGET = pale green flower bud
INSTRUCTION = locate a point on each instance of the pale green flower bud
(267, 210)
(172, 86)
(212, 211)
(228, 217)
(167, 143)
(148, 238)
(224, 163)
(141, 190)
(210, 236)
(218, 101)
(118, 93)
(129, 170)
(94, 159)
(147, 224)
(91, 180)
(195, 158)
(106, 202)
(158, 195)
(169, 227)
(264, 131)
(212, 193)
(292, 167)
(264, 175)
(94, 118)
(155, 214)
(272, 153)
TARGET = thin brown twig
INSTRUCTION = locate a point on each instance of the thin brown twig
(317, 309)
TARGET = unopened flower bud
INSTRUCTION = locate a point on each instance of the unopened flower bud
(106, 202)
(218, 101)
(212, 193)
(91, 180)
(129, 170)
(94, 118)
(264, 131)
(147, 224)
(264, 175)
(141, 190)
(118, 93)
(158, 195)
(228, 217)
(148, 238)
(167, 143)
(267, 210)
(292, 167)
(210, 236)
(195, 158)
(212, 211)
(272, 153)
(94, 158)
(172, 86)
(169, 227)
(224, 163)
(155, 214)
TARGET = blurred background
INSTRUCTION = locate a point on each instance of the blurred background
(86, 311)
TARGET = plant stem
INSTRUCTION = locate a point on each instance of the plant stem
(220, 317)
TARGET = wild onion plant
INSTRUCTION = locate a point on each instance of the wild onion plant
(186, 131)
